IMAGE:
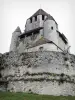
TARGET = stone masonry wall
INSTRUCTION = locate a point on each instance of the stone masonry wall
(50, 73)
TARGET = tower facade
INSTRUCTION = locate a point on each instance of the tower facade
(41, 33)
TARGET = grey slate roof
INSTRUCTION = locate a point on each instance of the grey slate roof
(42, 12)
(39, 12)
(50, 17)
(30, 32)
(17, 29)
(63, 37)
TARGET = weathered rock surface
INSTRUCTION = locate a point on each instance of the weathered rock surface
(50, 73)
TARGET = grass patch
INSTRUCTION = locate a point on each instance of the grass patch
(26, 96)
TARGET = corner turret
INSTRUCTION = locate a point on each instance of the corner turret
(14, 40)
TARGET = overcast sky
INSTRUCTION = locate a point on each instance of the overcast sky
(14, 13)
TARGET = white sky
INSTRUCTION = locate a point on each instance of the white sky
(14, 13)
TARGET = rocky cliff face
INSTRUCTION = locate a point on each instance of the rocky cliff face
(50, 73)
(3, 83)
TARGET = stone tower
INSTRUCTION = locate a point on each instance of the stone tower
(41, 64)
(14, 40)
(41, 32)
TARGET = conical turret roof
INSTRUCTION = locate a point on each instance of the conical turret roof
(17, 29)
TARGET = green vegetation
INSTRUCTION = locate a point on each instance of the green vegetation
(25, 96)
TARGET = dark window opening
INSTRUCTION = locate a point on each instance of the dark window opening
(52, 27)
(35, 18)
(0, 75)
(41, 48)
(30, 20)
(42, 17)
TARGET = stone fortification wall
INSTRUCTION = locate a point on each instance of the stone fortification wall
(34, 24)
(39, 72)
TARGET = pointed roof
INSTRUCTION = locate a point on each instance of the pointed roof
(17, 29)
(42, 12)
(63, 37)
(39, 12)
(49, 17)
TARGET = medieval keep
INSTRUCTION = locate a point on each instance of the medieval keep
(41, 33)
(39, 60)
